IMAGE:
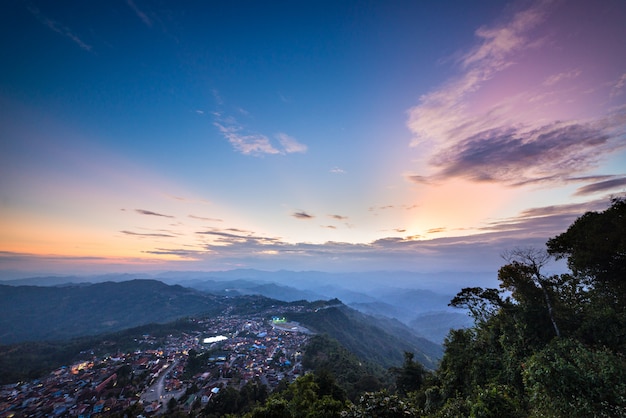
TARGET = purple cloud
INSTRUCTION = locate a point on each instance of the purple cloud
(302, 215)
(150, 213)
(602, 186)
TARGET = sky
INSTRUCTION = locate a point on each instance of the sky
(343, 136)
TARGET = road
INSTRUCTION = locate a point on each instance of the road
(156, 392)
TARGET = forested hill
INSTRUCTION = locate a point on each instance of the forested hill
(55, 313)
(379, 341)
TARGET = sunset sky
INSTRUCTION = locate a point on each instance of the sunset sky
(145, 135)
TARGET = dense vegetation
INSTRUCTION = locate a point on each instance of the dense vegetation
(371, 339)
(541, 346)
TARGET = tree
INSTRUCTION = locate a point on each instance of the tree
(523, 277)
(381, 405)
(595, 248)
(410, 376)
(568, 379)
(481, 303)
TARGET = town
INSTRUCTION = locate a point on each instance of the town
(186, 369)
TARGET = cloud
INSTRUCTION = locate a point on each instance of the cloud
(339, 217)
(150, 213)
(442, 114)
(498, 43)
(251, 144)
(419, 179)
(59, 28)
(231, 236)
(337, 170)
(618, 88)
(182, 253)
(518, 156)
(202, 218)
(602, 186)
(290, 145)
(144, 18)
(542, 222)
(465, 130)
(480, 252)
(147, 235)
(302, 215)
(557, 78)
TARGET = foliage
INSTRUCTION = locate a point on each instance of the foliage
(323, 354)
(381, 405)
(595, 248)
(410, 376)
(309, 396)
(568, 379)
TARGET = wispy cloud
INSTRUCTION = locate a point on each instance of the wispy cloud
(302, 215)
(138, 234)
(557, 78)
(290, 145)
(150, 213)
(202, 218)
(144, 18)
(254, 143)
(181, 253)
(59, 28)
(517, 156)
(493, 143)
(339, 217)
(619, 86)
(337, 170)
(231, 236)
(602, 186)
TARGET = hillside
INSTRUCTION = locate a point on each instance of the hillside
(369, 338)
(55, 313)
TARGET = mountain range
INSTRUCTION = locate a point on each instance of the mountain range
(418, 300)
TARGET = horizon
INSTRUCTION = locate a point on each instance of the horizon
(340, 138)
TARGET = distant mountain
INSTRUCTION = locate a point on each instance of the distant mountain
(360, 282)
(436, 325)
(383, 309)
(68, 280)
(53, 313)
(250, 287)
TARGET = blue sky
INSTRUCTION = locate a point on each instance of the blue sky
(337, 136)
